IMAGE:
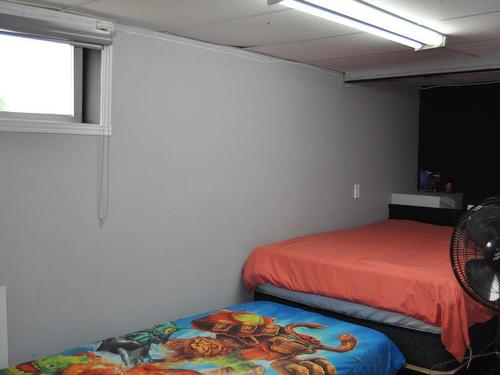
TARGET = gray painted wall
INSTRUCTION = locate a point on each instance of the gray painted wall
(212, 154)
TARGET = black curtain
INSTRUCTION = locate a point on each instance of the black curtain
(459, 136)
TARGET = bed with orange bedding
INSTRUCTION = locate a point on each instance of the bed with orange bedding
(395, 265)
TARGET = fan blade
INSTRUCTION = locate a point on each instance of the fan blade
(482, 279)
(484, 225)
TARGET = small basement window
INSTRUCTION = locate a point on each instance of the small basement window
(54, 72)
(40, 79)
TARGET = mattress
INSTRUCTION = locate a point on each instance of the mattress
(252, 338)
(422, 349)
(349, 308)
(394, 265)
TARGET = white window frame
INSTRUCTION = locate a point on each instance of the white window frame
(46, 123)
(42, 123)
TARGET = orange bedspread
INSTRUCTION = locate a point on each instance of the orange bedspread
(395, 265)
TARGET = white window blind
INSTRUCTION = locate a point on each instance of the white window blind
(38, 22)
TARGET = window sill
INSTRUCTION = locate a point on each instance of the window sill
(53, 127)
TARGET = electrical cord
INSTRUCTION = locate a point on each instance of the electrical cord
(469, 358)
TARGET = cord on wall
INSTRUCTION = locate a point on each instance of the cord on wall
(104, 141)
(103, 179)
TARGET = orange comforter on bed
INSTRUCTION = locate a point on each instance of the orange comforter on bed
(395, 265)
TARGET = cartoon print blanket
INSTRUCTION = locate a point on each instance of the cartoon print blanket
(253, 338)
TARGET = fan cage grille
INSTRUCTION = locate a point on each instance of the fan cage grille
(463, 249)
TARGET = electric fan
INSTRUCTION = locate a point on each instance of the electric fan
(475, 255)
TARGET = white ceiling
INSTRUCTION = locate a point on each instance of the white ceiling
(472, 26)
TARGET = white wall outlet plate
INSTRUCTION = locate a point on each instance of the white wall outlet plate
(357, 188)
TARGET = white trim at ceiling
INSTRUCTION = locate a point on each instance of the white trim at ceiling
(477, 64)
(217, 48)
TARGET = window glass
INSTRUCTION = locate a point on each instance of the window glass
(36, 76)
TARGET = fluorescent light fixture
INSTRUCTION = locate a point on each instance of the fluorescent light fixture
(370, 19)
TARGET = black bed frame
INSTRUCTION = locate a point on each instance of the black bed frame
(438, 216)
(423, 351)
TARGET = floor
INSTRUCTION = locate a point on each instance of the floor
(483, 366)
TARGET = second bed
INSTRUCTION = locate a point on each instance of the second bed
(392, 275)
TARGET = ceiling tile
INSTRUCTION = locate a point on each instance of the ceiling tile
(472, 26)
(167, 15)
(451, 79)
(425, 81)
(58, 4)
(431, 12)
(399, 59)
(487, 76)
(271, 28)
(329, 48)
(480, 27)
(483, 48)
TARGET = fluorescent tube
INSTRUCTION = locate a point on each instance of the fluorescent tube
(364, 17)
